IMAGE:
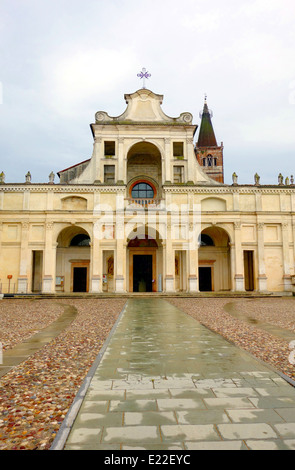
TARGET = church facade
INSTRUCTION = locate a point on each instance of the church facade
(148, 212)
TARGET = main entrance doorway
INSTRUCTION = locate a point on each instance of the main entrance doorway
(142, 273)
(142, 264)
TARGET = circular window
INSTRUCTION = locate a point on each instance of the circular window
(142, 190)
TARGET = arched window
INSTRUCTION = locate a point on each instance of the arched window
(80, 240)
(210, 161)
(142, 190)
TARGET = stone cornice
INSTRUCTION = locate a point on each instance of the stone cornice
(174, 189)
(75, 188)
(195, 189)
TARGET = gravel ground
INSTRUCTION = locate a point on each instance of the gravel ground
(265, 346)
(36, 395)
(21, 319)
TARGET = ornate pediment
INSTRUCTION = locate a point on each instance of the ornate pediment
(143, 106)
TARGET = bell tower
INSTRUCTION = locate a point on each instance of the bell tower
(209, 154)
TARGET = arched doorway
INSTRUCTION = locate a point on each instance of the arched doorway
(214, 260)
(144, 258)
(73, 260)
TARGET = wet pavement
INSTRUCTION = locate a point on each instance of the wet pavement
(165, 382)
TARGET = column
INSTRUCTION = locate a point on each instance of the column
(190, 154)
(97, 156)
(262, 279)
(23, 278)
(122, 165)
(239, 284)
(169, 261)
(193, 259)
(120, 259)
(96, 264)
(166, 171)
(286, 258)
(49, 260)
(232, 265)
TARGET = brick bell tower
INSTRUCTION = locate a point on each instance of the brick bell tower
(208, 153)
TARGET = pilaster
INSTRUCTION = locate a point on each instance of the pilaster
(122, 164)
(97, 159)
(96, 265)
(120, 260)
(239, 281)
(286, 258)
(169, 261)
(23, 278)
(193, 259)
(167, 170)
(262, 278)
(49, 260)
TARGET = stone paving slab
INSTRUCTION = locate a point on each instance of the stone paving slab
(166, 382)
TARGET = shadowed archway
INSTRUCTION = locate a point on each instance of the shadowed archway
(73, 260)
(214, 260)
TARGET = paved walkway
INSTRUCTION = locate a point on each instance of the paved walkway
(166, 382)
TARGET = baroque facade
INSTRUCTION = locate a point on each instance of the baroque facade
(148, 212)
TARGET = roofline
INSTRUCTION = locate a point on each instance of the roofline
(73, 166)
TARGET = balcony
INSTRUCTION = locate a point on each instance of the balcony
(143, 203)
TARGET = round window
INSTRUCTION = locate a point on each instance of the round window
(142, 190)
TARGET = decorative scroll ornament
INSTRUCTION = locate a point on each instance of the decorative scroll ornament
(186, 117)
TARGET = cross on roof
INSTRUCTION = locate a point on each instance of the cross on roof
(144, 74)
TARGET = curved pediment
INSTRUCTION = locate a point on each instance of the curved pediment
(144, 106)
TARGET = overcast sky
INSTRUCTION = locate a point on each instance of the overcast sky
(63, 60)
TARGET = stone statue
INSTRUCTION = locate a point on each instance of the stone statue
(28, 177)
(2, 177)
(51, 177)
(257, 179)
(235, 179)
(287, 181)
(281, 179)
(292, 180)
